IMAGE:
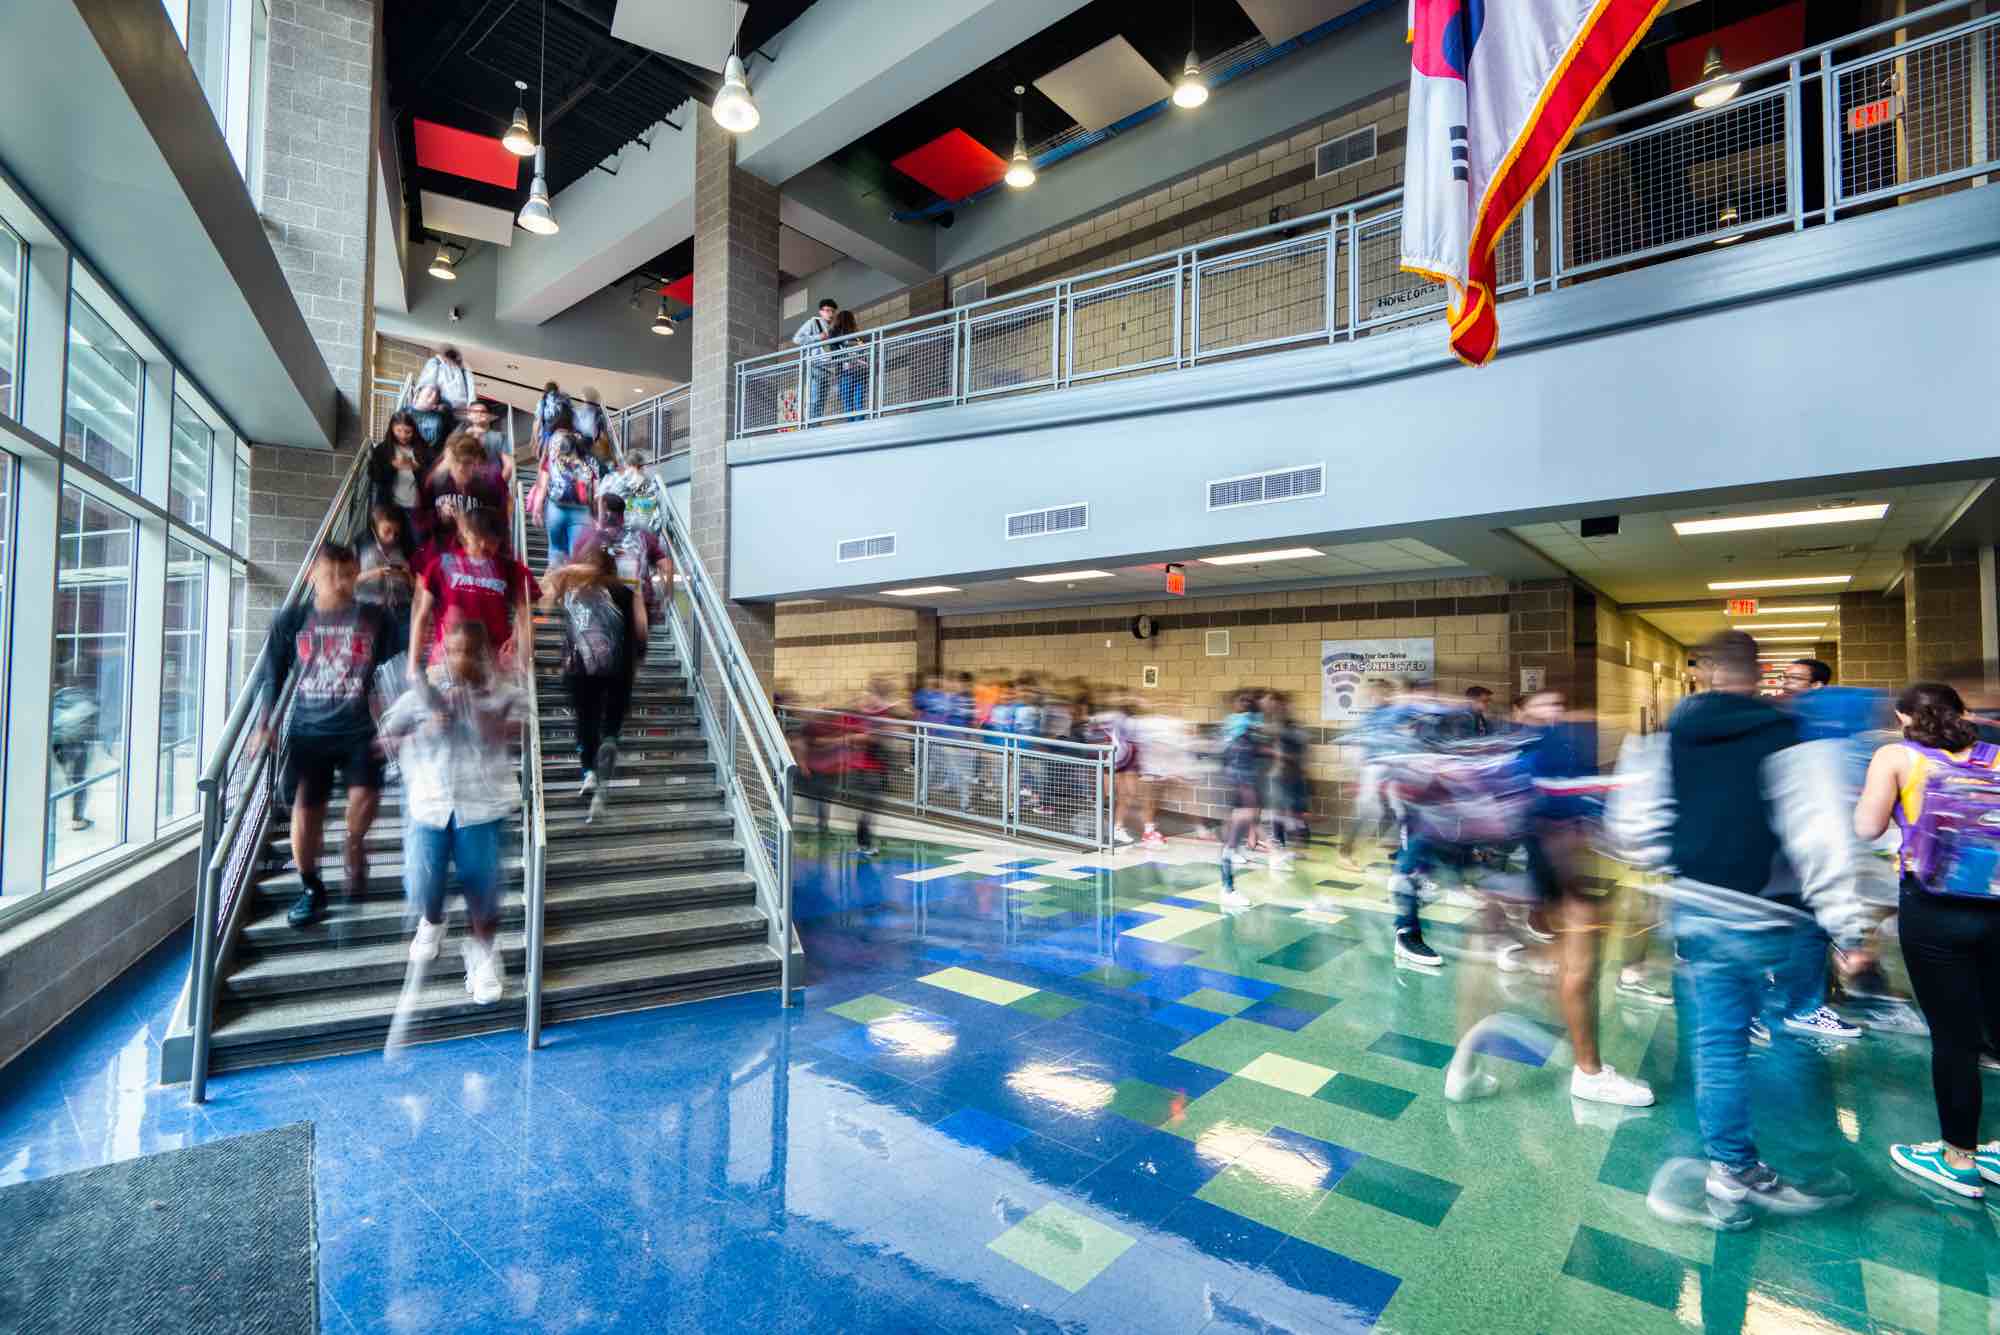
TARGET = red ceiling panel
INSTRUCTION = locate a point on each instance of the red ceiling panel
(681, 290)
(954, 164)
(1752, 41)
(442, 148)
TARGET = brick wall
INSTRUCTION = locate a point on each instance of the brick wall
(396, 358)
(1871, 642)
(1634, 693)
(1941, 622)
(827, 653)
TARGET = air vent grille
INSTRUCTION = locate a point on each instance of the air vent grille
(1350, 150)
(1281, 484)
(865, 549)
(1056, 519)
(1215, 643)
(967, 293)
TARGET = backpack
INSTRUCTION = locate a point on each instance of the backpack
(550, 409)
(596, 632)
(569, 486)
(1463, 792)
(587, 418)
(1953, 847)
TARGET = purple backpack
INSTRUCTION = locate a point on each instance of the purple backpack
(1953, 847)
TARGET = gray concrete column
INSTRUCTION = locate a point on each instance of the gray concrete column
(735, 316)
(318, 209)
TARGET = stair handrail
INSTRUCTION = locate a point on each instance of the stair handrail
(749, 713)
(224, 859)
(534, 801)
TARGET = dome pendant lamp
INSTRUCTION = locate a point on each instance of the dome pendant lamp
(1191, 91)
(663, 323)
(519, 139)
(1020, 171)
(537, 215)
(734, 110)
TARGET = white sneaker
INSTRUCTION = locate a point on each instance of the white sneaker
(589, 784)
(1824, 1022)
(1510, 959)
(424, 945)
(1234, 901)
(1634, 987)
(482, 972)
(1119, 836)
(1607, 1086)
(1280, 861)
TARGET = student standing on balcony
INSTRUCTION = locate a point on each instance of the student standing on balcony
(811, 336)
(850, 360)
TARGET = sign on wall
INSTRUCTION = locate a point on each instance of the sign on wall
(1345, 665)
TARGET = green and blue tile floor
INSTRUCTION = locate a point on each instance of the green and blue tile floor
(1045, 1093)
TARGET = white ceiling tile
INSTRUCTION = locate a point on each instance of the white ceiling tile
(481, 222)
(1104, 85)
(700, 32)
(1282, 20)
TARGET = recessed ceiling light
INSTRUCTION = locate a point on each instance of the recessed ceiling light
(1796, 582)
(1759, 627)
(1797, 607)
(1064, 576)
(920, 590)
(1833, 514)
(1252, 558)
(1787, 639)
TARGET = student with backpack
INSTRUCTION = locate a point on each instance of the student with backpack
(604, 639)
(1941, 786)
(1245, 758)
(568, 486)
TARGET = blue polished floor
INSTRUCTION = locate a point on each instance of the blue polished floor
(1039, 1096)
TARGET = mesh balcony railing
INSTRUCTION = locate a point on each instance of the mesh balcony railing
(1884, 115)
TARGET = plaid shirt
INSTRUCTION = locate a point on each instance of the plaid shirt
(453, 746)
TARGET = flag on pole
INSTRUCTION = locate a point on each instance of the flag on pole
(1497, 87)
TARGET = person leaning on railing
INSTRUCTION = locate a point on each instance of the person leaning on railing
(812, 336)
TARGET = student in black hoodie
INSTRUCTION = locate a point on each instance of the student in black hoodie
(1755, 860)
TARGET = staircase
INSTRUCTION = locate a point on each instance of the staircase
(651, 904)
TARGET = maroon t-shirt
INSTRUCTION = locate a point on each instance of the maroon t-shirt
(486, 489)
(488, 590)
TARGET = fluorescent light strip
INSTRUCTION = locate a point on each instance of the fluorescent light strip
(1759, 627)
(1788, 639)
(1252, 558)
(919, 590)
(1799, 607)
(1796, 582)
(1064, 576)
(1834, 514)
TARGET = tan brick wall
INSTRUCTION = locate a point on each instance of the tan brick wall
(1941, 622)
(827, 655)
(1871, 642)
(1650, 684)
(396, 358)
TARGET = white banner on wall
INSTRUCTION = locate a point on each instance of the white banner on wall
(1344, 665)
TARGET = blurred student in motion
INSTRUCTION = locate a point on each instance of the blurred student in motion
(1941, 775)
(337, 644)
(463, 482)
(569, 482)
(1719, 803)
(604, 640)
(388, 577)
(480, 580)
(633, 483)
(1245, 758)
(637, 553)
(1286, 799)
(863, 758)
(451, 731)
(396, 469)
(1372, 816)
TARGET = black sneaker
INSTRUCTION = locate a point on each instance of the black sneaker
(1411, 950)
(607, 769)
(310, 906)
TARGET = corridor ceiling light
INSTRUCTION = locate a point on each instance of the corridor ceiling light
(1759, 627)
(734, 110)
(1190, 92)
(663, 323)
(1713, 68)
(1796, 582)
(519, 139)
(1799, 607)
(536, 216)
(441, 265)
(1020, 171)
(1252, 558)
(1064, 576)
(1832, 514)
(919, 590)
(1787, 639)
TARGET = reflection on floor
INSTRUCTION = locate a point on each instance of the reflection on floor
(1038, 1093)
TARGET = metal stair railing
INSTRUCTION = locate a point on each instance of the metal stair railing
(758, 772)
(534, 800)
(239, 785)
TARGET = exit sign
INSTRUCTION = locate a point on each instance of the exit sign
(1742, 607)
(1176, 581)
(1870, 115)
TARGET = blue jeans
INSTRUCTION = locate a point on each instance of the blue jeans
(1413, 859)
(854, 392)
(474, 850)
(1808, 975)
(1726, 967)
(819, 385)
(565, 524)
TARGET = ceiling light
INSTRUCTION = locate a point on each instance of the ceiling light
(663, 323)
(920, 590)
(1252, 558)
(1832, 514)
(1020, 171)
(1796, 582)
(1190, 92)
(519, 139)
(1064, 576)
(1713, 68)
(1787, 639)
(734, 111)
(1799, 607)
(1759, 627)
(441, 265)
(536, 215)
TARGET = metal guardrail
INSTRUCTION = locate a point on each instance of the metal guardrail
(238, 785)
(534, 800)
(756, 769)
(1916, 117)
(1039, 786)
(658, 425)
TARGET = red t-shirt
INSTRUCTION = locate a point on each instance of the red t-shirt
(488, 590)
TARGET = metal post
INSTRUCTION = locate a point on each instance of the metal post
(1056, 336)
(1556, 226)
(1332, 268)
(1353, 275)
(1180, 278)
(1528, 244)
(874, 408)
(1194, 308)
(1066, 316)
(963, 350)
(785, 892)
(1794, 150)
(1830, 135)
(208, 892)
(1010, 772)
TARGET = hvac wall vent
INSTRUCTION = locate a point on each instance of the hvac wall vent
(1350, 150)
(1215, 643)
(867, 549)
(1280, 484)
(967, 293)
(1056, 519)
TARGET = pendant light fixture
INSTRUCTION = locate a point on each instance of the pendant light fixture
(519, 139)
(1713, 68)
(536, 215)
(442, 264)
(1192, 90)
(734, 110)
(663, 323)
(1020, 171)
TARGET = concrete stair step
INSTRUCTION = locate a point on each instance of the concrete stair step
(567, 861)
(619, 821)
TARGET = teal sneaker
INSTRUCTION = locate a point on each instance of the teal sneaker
(1987, 1160)
(1927, 1161)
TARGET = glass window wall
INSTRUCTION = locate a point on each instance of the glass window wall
(103, 394)
(180, 682)
(13, 260)
(187, 478)
(93, 640)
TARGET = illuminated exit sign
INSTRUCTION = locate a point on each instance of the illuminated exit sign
(1742, 607)
(1870, 115)
(1176, 581)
